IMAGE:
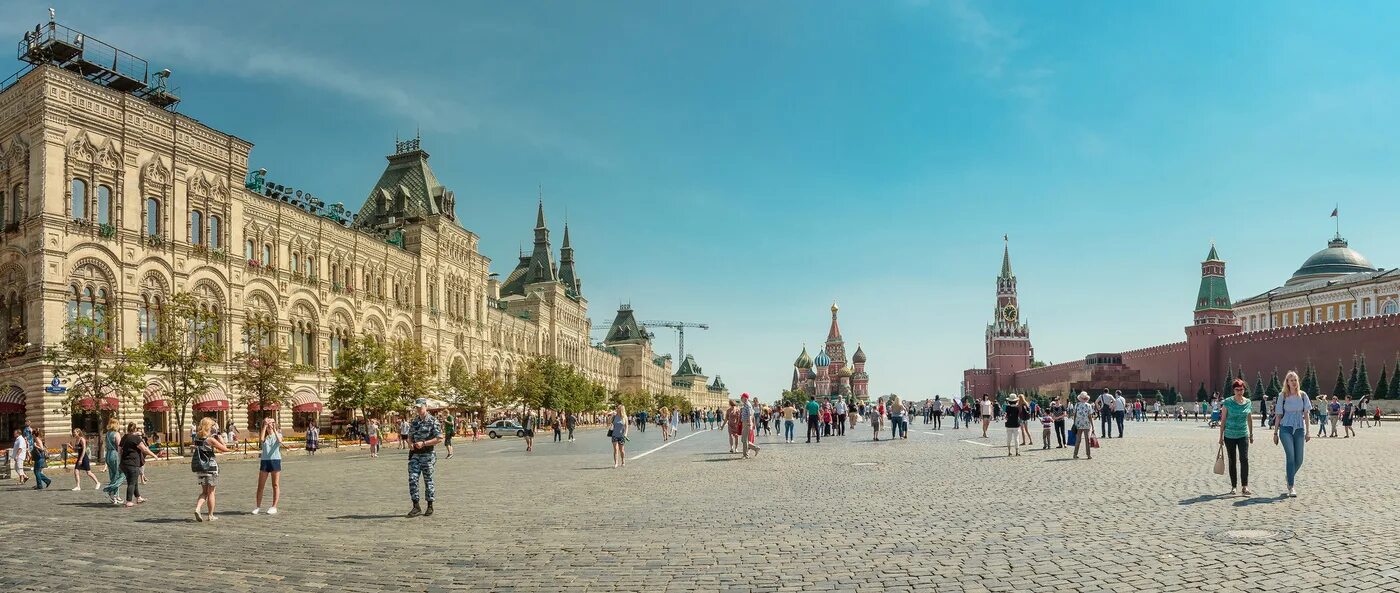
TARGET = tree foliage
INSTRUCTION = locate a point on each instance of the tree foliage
(1340, 389)
(263, 375)
(409, 376)
(1363, 380)
(88, 359)
(359, 377)
(183, 351)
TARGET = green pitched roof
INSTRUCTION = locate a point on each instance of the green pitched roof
(1213, 256)
(407, 189)
(689, 367)
(1005, 261)
(625, 327)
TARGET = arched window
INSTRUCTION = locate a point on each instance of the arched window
(249, 250)
(267, 254)
(215, 226)
(310, 266)
(104, 205)
(79, 202)
(73, 299)
(335, 272)
(1390, 308)
(295, 262)
(85, 304)
(152, 216)
(196, 227)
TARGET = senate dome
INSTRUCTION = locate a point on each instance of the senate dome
(1336, 260)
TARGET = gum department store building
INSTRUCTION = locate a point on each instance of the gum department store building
(111, 201)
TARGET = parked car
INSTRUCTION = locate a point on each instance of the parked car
(501, 428)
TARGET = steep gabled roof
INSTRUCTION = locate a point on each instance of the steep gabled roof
(625, 328)
(407, 189)
(689, 368)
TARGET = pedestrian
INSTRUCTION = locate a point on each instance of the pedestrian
(734, 424)
(112, 456)
(1083, 425)
(1377, 417)
(403, 433)
(1013, 425)
(748, 434)
(841, 411)
(132, 457)
(789, 414)
(1058, 414)
(938, 412)
(899, 413)
(985, 410)
(313, 439)
(1027, 409)
(205, 464)
(570, 422)
(1046, 422)
(1106, 401)
(1334, 412)
(19, 451)
(1156, 410)
(232, 433)
(529, 431)
(1320, 411)
(813, 418)
(449, 428)
(1237, 433)
(955, 410)
(618, 435)
(424, 433)
(1348, 417)
(373, 438)
(82, 462)
(676, 422)
(1120, 409)
(1291, 426)
(555, 424)
(269, 465)
(877, 415)
(41, 460)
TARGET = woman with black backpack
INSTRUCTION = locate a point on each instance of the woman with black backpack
(205, 465)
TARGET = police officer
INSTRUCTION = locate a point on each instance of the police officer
(423, 433)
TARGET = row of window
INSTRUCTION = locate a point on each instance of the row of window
(1330, 313)
(202, 231)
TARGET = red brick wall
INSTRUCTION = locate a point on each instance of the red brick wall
(979, 381)
(1163, 364)
(1324, 343)
(1055, 373)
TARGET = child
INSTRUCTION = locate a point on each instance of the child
(1045, 424)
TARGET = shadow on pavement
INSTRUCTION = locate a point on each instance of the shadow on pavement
(1202, 498)
(89, 505)
(367, 517)
(736, 458)
(165, 520)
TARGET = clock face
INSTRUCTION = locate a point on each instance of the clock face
(1009, 312)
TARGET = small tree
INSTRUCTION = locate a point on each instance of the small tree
(1227, 387)
(1382, 385)
(87, 356)
(1363, 380)
(359, 375)
(1340, 389)
(1395, 380)
(1275, 387)
(1259, 390)
(479, 391)
(1201, 394)
(263, 376)
(185, 346)
(1355, 374)
(409, 377)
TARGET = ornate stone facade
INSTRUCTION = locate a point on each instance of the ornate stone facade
(109, 203)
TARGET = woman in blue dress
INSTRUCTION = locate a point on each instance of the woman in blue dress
(115, 477)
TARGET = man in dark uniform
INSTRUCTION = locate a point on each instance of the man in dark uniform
(423, 434)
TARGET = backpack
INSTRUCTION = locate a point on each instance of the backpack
(202, 461)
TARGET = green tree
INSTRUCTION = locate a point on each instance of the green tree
(183, 351)
(1363, 381)
(794, 396)
(635, 400)
(1395, 380)
(88, 358)
(1340, 389)
(1382, 385)
(1259, 386)
(1275, 387)
(408, 376)
(359, 376)
(1201, 394)
(1173, 396)
(1227, 387)
(478, 391)
(263, 375)
(1355, 374)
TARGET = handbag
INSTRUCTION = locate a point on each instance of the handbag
(610, 433)
(1220, 461)
(1093, 442)
(1073, 438)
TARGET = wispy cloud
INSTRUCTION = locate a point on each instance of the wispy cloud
(997, 49)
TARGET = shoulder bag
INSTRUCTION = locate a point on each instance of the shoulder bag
(1220, 460)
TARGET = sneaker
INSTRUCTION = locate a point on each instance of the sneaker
(77, 488)
(1232, 492)
(272, 510)
(1292, 493)
(212, 517)
(1246, 491)
(257, 510)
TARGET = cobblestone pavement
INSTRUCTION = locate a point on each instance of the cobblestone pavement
(933, 513)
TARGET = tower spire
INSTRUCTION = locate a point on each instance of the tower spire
(1005, 257)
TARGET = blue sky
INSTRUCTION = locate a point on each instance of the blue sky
(745, 163)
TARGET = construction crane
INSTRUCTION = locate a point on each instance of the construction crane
(679, 326)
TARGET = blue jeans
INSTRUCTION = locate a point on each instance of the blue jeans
(788, 429)
(1292, 440)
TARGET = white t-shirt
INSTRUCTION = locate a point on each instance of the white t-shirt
(986, 407)
(1120, 404)
(1106, 399)
(21, 448)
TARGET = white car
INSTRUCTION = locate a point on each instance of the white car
(502, 428)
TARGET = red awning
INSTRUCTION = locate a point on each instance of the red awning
(270, 407)
(11, 408)
(109, 403)
(307, 407)
(159, 405)
(213, 405)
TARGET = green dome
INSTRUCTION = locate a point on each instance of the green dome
(803, 360)
(1336, 260)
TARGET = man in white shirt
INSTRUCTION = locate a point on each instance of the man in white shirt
(18, 454)
(841, 416)
(1105, 405)
(1120, 410)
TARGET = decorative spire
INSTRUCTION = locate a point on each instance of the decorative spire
(1213, 256)
(1213, 295)
(1005, 257)
(834, 334)
(567, 274)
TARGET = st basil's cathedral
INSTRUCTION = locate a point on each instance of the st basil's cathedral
(828, 376)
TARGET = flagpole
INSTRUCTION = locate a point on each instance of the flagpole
(1337, 209)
